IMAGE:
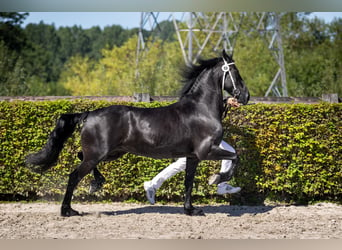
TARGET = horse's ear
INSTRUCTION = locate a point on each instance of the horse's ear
(226, 56)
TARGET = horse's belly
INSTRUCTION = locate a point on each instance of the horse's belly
(159, 151)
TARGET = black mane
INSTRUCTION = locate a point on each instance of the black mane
(190, 73)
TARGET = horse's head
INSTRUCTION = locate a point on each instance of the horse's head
(232, 82)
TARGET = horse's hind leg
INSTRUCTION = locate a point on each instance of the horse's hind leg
(74, 178)
(99, 180)
(97, 183)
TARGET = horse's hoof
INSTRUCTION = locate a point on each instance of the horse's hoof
(68, 212)
(214, 179)
(194, 212)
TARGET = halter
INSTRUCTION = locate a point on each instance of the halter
(225, 69)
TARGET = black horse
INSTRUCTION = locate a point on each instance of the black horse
(189, 128)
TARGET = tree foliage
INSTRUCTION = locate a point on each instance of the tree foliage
(12, 74)
(313, 56)
(10, 30)
(121, 72)
(41, 59)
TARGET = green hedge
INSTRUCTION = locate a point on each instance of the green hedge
(289, 152)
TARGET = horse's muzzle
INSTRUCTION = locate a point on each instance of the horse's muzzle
(244, 97)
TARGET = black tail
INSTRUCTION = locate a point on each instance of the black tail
(48, 155)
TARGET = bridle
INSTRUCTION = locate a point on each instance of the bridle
(236, 92)
(225, 68)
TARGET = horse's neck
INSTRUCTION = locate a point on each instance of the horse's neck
(214, 102)
(209, 93)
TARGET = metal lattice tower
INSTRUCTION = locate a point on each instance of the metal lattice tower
(217, 31)
(198, 31)
(148, 20)
(269, 28)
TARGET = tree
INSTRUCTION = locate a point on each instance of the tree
(165, 31)
(12, 72)
(256, 64)
(117, 72)
(79, 78)
(10, 30)
(113, 74)
(42, 60)
(335, 31)
(12, 41)
(73, 41)
(312, 58)
(96, 42)
(42, 53)
(114, 35)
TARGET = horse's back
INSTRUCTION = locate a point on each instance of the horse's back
(156, 132)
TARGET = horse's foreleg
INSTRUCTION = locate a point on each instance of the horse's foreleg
(218, 153)
(74, 178)
(191, 165)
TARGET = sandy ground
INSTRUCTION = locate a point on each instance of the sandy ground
(141, 221)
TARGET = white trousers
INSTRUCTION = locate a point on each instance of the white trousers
(180, 165)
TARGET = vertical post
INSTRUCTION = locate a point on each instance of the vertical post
(190, 34)
(142, 97)
(332, 98)
(281, 56)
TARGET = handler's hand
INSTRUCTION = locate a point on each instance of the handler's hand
(233, 102)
